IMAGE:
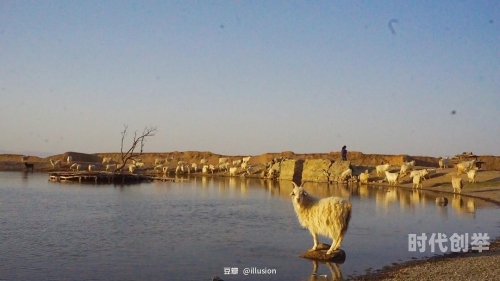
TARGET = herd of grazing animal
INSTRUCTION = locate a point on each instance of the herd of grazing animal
(385, 172)
(418, 176)
(166, 166)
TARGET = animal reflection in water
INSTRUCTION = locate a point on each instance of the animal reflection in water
(460, 207)
(328, 216)
(336, 274)
(29, 166)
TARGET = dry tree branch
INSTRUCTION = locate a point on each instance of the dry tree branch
(129, 155)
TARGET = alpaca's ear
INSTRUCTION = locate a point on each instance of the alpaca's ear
(294, 184)
(302, 184)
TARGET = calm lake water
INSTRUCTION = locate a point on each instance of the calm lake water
(193, 230)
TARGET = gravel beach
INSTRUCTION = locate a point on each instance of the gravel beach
(466, 266)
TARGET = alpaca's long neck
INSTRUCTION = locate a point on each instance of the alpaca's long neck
(308, 201)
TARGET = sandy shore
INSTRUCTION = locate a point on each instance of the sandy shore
(465, 266)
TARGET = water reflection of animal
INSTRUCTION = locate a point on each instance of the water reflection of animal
(388, 196)
(328, 216)
(28, 166)
(460, 206)
(457, 203)
(471, 205)
(334, 271)
(416, 196)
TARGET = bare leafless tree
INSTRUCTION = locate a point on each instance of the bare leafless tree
(138, 140)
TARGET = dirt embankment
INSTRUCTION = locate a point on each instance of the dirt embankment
(12, 162)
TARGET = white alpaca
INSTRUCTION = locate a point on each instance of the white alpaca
(392, 178)
(364, 177)
(24, 158)
(471, 174)
(381, 169)
(131, 168)
(444, 163)
(464, 167)
(56, 163)
(211, 168)
(232, 171)
(158, 168)
(111, 167)
(417, 181)
(271, 173)
(405, 168)
(347, 174)
(457, 184)
(423, 173)
(328, 216)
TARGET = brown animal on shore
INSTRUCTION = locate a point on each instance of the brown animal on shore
(28, 166)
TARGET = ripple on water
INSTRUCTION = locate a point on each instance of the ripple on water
(191, 231)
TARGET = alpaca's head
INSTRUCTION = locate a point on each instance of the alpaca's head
(298, 194)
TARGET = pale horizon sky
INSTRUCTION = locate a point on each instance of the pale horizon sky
(251, 77)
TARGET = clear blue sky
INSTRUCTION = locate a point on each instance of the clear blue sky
(250, 77)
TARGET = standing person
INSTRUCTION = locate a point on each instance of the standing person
(344, 153)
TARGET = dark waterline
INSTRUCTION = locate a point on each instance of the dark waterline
(193, 230)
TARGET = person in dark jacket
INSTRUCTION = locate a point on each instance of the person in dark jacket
(344, 153)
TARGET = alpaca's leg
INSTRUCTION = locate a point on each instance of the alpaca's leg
(334, 271)
(315, 240)
(335, 244)
(332, 248)
(315, 268)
